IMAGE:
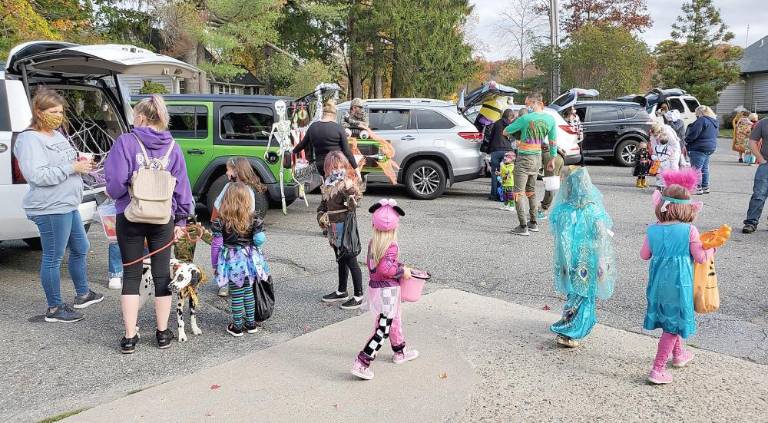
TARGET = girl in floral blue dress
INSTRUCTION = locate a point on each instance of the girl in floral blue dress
(238, 262)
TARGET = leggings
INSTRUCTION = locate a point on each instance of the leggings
(130, 238)
(347, 265)
(385, 302)
(668, 343)
(242, 301)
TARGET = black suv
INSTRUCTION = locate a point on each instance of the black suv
(612, 129)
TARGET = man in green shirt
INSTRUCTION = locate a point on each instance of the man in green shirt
(536, 128)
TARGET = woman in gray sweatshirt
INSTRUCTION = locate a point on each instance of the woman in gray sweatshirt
(51, 167)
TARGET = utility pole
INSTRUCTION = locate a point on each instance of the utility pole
(554, 23)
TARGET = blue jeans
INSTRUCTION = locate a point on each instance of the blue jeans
(115, 261)
(700, 160)
(57, 232)
(496, 158)
(759, 194)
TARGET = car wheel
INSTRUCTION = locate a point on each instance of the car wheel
(625, 153)
(425, 180)
(262, 202)
(34, 243)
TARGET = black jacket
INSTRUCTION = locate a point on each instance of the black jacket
(322, 138)
(498, 142)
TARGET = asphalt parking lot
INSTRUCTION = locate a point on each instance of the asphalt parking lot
(461, 238)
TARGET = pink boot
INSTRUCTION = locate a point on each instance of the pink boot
(362, 370)
(681, 356)
(659, 374)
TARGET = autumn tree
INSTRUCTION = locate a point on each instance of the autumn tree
(698, 59)
(610, 59)
(520, 29)
(631, 15)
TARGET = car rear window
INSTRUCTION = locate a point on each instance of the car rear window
(676, 104)
(430, 119)
(188, 121)
(390, 119)
(246, 123)
(692, 104)
(603, 113)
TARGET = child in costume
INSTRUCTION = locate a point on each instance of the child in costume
(583, 258)
(642, 165)
(665, 149)
(236, 256)
(239, 169)
(341, 192)
(671, 245)
(386, 273)
(507, 174)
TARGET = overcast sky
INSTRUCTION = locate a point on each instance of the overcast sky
(737, 14)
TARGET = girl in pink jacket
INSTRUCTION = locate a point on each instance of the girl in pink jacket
(386, 273)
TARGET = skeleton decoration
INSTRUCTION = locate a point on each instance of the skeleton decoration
(281, 133)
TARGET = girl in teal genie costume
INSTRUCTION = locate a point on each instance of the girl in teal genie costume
(583, 258)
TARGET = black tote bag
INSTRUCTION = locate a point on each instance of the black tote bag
(264, 297)
(350, 239)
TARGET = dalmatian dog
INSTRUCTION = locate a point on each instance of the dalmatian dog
(186, 279)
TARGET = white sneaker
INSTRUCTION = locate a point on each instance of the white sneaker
(115, 283)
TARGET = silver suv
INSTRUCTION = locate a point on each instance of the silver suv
(434, 144)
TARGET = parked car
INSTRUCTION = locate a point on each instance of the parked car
(211, 129)
(612, 129)
(567, 138)
(434, 144)
(677, 99)
(98, 110)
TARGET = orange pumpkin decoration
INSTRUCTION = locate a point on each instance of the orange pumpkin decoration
(715, 238)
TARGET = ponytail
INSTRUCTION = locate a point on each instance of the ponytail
(154, 109)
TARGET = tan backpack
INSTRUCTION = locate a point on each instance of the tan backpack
(151, 191)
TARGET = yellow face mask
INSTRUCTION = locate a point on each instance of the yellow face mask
(50, 121)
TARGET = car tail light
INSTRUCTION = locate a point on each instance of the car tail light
(569, 129)
(471, 136)
(18, 177)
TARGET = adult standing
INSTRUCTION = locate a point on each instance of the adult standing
(498, 145)
(52, 169)
(148, 144)
(324, 136)
(536, 128)
(760, 189)
(742, 128)
(701, 142)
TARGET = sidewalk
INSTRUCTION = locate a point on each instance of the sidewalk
(481, 359)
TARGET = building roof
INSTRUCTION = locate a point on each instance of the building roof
(755, 58)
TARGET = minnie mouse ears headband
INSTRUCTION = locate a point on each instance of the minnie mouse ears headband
(387, 202)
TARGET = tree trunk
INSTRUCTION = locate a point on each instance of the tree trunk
(378, 73)
(190, 56)
(355, 77)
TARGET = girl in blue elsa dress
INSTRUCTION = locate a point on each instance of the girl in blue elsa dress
(583, 258)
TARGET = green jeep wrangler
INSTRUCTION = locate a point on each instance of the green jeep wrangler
(210, 129)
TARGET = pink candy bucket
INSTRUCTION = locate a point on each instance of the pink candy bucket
(411, 289)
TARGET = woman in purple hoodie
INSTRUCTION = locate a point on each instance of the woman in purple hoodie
(151, 129)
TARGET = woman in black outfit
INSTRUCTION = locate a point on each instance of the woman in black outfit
(325, 136)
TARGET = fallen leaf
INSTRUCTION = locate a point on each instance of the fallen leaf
(443, 375)
(336, 406)
(215, 387)
(546, 307)
(306, 329)
(209, 414)
(540, 347)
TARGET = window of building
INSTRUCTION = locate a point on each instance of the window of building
(246, 123)
(188, 121)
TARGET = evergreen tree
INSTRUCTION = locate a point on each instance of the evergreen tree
(698, 59)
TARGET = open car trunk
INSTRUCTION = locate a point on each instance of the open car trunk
(570, 97)
(98, 109)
